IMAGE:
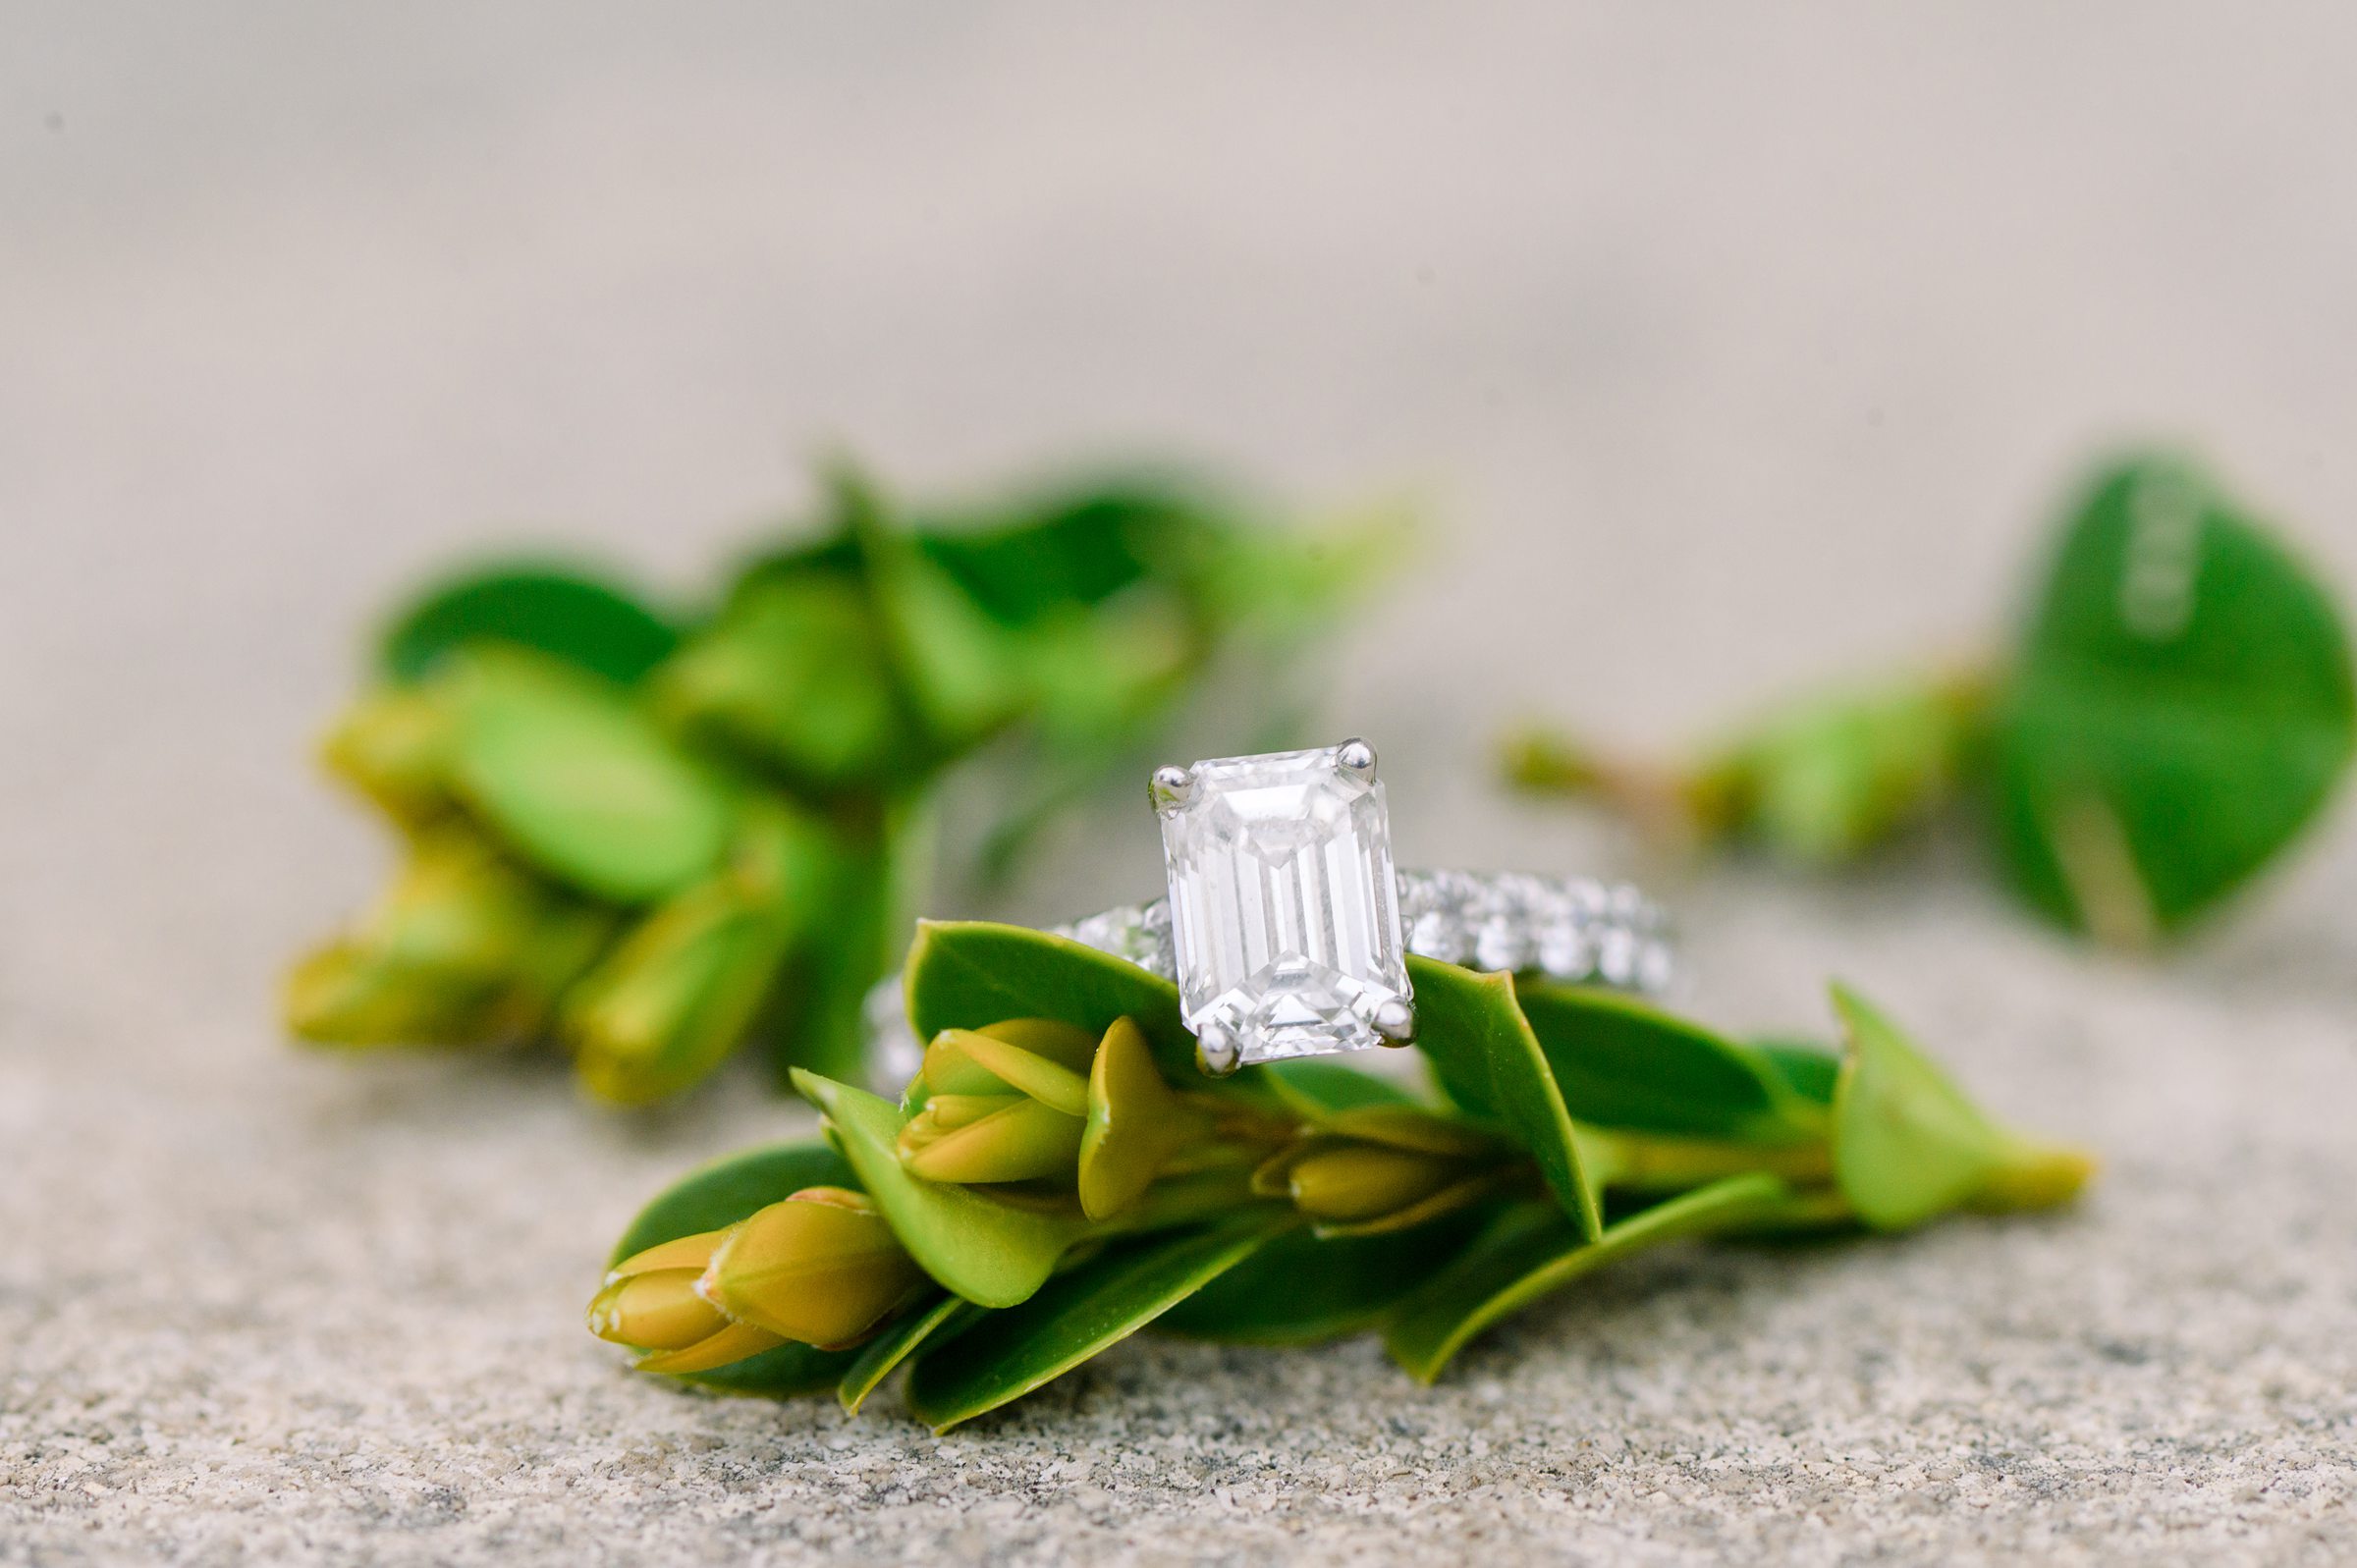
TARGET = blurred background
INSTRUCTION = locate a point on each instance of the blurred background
(1721, 347)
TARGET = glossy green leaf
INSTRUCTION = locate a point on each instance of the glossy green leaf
(1622, 1063)
(728, 1189)
(2182, 706)
(1528, 1252)
(1316, 1090)
(900, 1339)
(564, 611)
(992, 1253)
(964, 974)
(1096, 1304)
(575, 779)
(1488, 1061)
(1908, 1146)
(1301, 1289)
(720, 1194)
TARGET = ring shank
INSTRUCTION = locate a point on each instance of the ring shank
(1570, 929)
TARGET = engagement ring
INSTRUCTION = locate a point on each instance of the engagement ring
(1287, 930)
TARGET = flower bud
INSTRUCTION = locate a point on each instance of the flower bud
(1024, 1140)
(822, 1268)
(654, 1301)
(1354, 1188)
(1041, 1058)
(1135, 1124)
(676, 995)
(465, 947)
(393, 745)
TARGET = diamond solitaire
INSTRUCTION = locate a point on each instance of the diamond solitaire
(1284, 911)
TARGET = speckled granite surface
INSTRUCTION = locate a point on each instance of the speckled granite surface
(1726, 351)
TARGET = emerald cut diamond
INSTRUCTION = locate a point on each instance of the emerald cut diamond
(1285, 910)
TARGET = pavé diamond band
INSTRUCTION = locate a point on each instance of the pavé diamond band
(1287, 931)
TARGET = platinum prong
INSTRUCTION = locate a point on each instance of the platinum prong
(1170, 788)
(1356, 758)
(1217, 1051)
(1396, 1021)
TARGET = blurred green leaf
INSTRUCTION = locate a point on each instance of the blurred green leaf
(1080, 1313)
(1908, 1146)
(963, 974)
(1528, 1252)
(1301, 1289)
(1809, 1070)
(793, 675)
(1077, 547)
(2181, 707)
(902, 1338)
(580, 782)
(570, 613)
(1843, 773)
(992, 1253)
(1622, 1063)
(1488, 1061)
(721, 1194)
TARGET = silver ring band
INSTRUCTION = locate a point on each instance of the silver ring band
(1569, 930)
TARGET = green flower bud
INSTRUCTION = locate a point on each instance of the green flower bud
(976, 1062)
(676, 995)
(1136, 1124)
(822, 1268)
(1350, 1187)
(465, 947)
(1024, 1140)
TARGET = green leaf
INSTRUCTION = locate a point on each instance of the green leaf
(1315, 1090)
(964, 974)
(729, 1189)
(2182, 707)
(1097, 1304)
(1528, 1252)
(1809, 1070)
(1301, 1290)
(567, 613)
(580, 782)
(793, 675)
(721, 1194)
(1908, 1144)
(992, 1253)
(1840, 774)
(899, 1341)
(872, 889)
(1488, 1061)
(1623, 1063)
(1074, 547)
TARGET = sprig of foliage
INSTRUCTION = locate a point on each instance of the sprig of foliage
(2176, 708)
(652, 835)
(1057, 1177)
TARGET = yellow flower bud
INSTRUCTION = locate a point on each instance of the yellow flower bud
(464, 947)
(1037, 1056)
(676, 995)
(1022, 1141)
(1353, 1188)
(652, 1301)
(1137, 1123)
(822, 1268)
(393, 745)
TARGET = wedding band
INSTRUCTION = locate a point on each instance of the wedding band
(1287, 930)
